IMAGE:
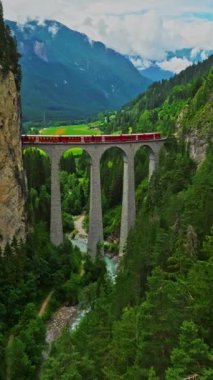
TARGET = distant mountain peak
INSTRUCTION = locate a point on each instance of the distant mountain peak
(68, 76)
(175, 62)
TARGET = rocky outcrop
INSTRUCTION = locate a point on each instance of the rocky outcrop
(12, 179)
(197, 147)
(197, 140)
(62, 318)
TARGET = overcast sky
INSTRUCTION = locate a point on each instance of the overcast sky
(145, 27)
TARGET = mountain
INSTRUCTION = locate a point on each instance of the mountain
(160, 105)
(156, 73)
(174, 62)
(67, 76)
(155, 320)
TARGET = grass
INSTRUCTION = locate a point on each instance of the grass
(75, 129)
(81, 129)
(74, 151)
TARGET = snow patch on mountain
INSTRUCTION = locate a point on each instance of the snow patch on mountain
(40, 50)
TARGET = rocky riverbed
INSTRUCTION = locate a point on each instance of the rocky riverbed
(70, 316)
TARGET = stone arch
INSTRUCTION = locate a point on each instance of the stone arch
(146, 145)
(41, 149)
(153, 149)
(141, 163)
(75, 197)
(36, 147)
(111, 165)
(85, 148)
(121, 147)
(37, 165)
(128, 193)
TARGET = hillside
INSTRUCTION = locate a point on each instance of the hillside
(155, 323)
(184, 101)
(67, 76)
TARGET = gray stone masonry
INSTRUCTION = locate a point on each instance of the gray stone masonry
(95, 151)
(56, 228)
(128, 200)
(95, 235)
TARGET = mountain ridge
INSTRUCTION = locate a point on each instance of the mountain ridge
(68, 76)
(173, 63)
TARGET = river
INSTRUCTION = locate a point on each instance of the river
(80, 241)
(70, 316)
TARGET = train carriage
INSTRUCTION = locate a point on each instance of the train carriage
(69, 139)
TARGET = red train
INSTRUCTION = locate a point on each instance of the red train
(69, 139)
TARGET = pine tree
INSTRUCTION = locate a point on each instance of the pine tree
(192, 356)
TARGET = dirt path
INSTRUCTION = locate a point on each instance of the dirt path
(44, 305)
(78, 223)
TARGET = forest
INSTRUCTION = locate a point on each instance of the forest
(155, 321)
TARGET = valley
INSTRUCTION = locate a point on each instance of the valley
(106, 259)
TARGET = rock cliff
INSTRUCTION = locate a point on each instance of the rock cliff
(197, 147)
(12, 179)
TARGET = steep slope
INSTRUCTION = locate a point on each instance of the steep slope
(156, 322)
(12, 180)
(67, 76)
(176, 106)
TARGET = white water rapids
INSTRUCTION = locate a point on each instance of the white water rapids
(80, 241)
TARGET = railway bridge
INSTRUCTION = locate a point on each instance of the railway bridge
(55, 148)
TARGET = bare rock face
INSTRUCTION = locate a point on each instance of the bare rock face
(196, 140)
(12, 179)
(197, 147)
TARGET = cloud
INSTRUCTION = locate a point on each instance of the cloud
(194, 53)
(175, 65)
(140, 63)
(147, 28)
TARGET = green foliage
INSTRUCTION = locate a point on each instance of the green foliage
(27, 272)
(68, 164)
(187, 94)
(156, 322)
(37, 168)
(9, 55)
(191, 356)
(91, 128)
(23, 354)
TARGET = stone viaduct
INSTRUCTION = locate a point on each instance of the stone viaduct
(95, 151)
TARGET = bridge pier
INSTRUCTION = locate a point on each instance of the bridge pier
(153, 163)
(56, 228)
(95, 151)
(154, 157)
(95, 235)
(128, 213)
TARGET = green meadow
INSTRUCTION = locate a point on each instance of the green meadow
(76, 129)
